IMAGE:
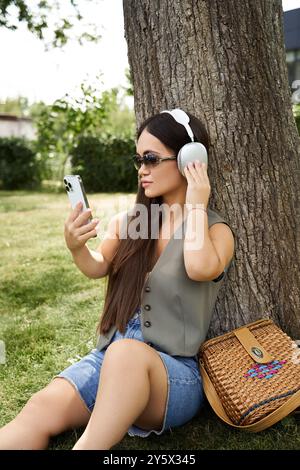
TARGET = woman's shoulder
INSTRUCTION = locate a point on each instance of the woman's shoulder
(215, 217)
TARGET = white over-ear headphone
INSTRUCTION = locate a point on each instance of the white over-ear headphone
(191, 151)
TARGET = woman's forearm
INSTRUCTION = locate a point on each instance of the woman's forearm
(90, 262)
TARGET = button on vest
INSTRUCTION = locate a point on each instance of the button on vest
(147, 323)
(147, 307)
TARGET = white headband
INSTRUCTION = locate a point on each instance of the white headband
(180, 116)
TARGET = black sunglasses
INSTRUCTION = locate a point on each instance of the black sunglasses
(150, 159)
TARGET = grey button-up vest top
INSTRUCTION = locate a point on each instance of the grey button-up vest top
(175, 310)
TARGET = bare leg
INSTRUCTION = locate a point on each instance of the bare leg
(51, 411)
(123, 394)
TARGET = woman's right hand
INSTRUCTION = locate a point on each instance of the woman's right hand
(76, 231)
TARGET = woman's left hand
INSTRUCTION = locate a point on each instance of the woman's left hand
(198, 189)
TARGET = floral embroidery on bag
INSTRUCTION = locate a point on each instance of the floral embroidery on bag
(264, 371)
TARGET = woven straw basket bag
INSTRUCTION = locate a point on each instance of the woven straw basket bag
(251, 375)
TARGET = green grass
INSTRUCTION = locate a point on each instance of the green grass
(49, 311)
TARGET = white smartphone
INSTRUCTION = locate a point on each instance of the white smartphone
(76, 193)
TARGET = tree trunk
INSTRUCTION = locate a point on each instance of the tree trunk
(224, 61)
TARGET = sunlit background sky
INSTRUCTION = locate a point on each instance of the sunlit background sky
(28, 70)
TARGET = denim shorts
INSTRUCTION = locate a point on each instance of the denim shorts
(185, 392)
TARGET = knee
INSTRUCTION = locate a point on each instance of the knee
(32, 415)
(36, 406)
(124, 353)
(37, 401)
(54, 409)
(41, 411)
(121, 350)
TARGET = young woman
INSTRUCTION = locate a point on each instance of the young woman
(143, 375)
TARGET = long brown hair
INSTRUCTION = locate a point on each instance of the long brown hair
(134, 257)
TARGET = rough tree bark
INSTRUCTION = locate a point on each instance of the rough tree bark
(224, 61)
